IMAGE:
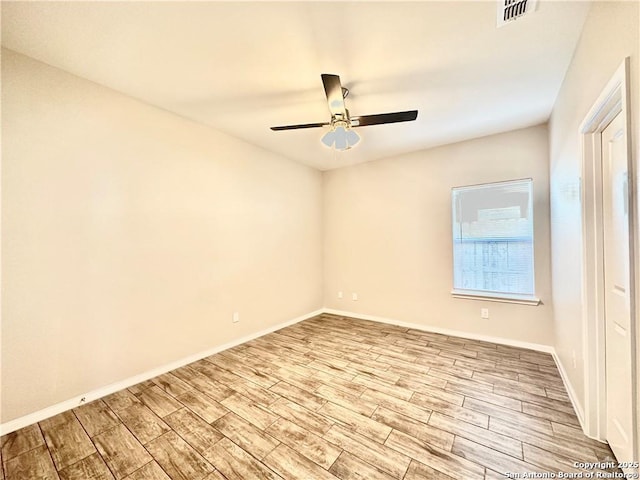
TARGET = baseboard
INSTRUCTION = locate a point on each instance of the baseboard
(571, 392)
(74, 402)
(445, 331)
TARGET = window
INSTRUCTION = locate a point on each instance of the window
(493, 241)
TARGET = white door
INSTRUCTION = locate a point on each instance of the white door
(615, 203)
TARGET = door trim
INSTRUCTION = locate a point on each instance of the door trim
(613, 100)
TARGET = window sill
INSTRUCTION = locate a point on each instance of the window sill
(496, 297)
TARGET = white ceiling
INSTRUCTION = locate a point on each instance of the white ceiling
(242, 67)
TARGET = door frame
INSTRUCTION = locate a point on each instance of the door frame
(613, 100)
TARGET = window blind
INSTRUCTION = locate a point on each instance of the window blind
(493, 238)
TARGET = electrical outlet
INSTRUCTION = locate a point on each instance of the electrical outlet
(340, 295)
(354, 297)
(484, 313)
(236, 317)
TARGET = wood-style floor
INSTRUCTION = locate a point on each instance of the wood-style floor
(327, 398)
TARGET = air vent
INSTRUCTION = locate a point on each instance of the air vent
(510, 10)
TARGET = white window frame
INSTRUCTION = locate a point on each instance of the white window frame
(495, 296)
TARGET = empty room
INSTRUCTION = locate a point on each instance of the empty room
(320, 240)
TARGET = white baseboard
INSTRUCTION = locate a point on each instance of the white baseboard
(571, 392)
(74, 402)
(445, 331)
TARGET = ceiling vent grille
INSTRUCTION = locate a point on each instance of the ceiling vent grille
(510, 10)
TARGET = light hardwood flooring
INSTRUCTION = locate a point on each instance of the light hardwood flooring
(330, 397)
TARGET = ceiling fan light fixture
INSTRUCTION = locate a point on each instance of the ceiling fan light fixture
(340, 137)
(328, 138)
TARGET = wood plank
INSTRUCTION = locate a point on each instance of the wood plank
(439, 393)
(456, 355)
(567, 433)
(506, 414)
(216, 475)
(35, 464)
(547, 460)
(570, 449)
(194, 430)
(359, 423)
(327, 367)
(96, 417)
(380, 386)
(239, 368)
(21, 441)
(427, 433)
(141, 387)
(543, 401)
(245, 435)
(350, 467)
(438, 459)
(301, 416)
(419, 471)
(298, 395)
(178, 458)
(304, 379)
(380, 456)
(172, 385)
(558, 394)
(89, 468)
(212, 388)
(415, 382)
(151, 471)
(188, 372)
(550, 414)
(255, 392)
(142, 422)
(288, 463)
(308, 444)
(488, 438)
(121, 451)
(250, 411)
(490, 458)
(160, 402)
(203, 405)
(236, 464)
(452, 382)
(491, 475)
(347, 400)
(66, 440)
(539, 358)
(214, 372)
(120, 400)
(508, 364)
(541, 379)
(465, 414)
(498, 397)
(454, 370)
(509, 384)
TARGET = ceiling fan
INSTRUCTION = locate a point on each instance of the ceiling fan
(341, 136)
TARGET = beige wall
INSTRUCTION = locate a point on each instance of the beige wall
(130, 235)
(610, 34)
(388, 235)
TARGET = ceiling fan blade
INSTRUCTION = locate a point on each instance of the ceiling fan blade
(381, 118)
(333, 90)
(304, 125)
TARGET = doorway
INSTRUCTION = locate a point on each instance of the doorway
(608, 288)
